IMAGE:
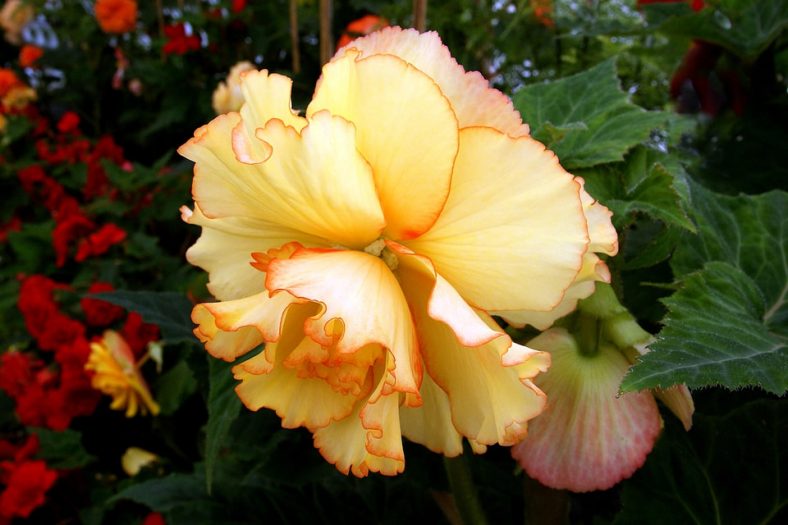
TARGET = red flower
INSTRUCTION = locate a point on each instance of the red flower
(19, 452)
(37, 303)
(177, 41)
(97, 312)
(138, 334)
(60, 331)
(361, 26)
(68, 123)
(237, 6)
(154, 518)
(99, 242)
(68, 230)
(26, 485)
(29, 55)
(17, 371)
(696, 5)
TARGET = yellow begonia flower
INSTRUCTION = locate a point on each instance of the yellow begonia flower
(228, 96)
(381, 228)
(116, 374)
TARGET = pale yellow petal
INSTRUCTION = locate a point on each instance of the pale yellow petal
(474, 102)
(513, 234)
(593, 270)
(315, 183)
(359, 291)
(267, 96)
(490, 394)
(224, 250)
(430, 424)
(602, 234)
(405, 129)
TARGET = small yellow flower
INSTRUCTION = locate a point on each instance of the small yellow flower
(367, 242)
(116, 374)
(135, 459)
(228, 95)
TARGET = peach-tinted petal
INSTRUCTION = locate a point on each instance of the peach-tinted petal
(315, 182)
(368, 439)
(474, 102)
(405, 129)
(267, 96)
(593, 270)
(490, 393)
(230, 329)
(589, 437)
(362, 304)
(430, 424)
(443, 303)
(299, 401)
(601, 233)
(225, 246)
(512, 234)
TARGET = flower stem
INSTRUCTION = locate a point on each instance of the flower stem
(465, 496)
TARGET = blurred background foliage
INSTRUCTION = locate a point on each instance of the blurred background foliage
(644, 99)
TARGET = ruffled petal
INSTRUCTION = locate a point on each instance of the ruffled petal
(601, 233)
(267, 97)
(362, 305)
(589, 437)
(490, 394)
(430, 424)
(369, 439)
(315, 183)
(512, 234)
(225, 246)
(298, 400)
(474, 102)
(405, 129)
(230, 329)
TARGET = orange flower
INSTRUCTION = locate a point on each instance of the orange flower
(28, 55)
(382, 228)
(117, 374)
(14, 93)
(361, 26)
(116, 16)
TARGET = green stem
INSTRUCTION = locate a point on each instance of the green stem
(465, 496)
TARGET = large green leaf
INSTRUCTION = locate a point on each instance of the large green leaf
(647, 182)
(586, 119)
(223, 408)
(174, 386)
(744, 27)
(171, 311)
(714, 334)
(727, 323)
(748, 232)
(164, 494)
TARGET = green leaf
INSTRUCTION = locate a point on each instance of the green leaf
(62, 450)
(648, 182)
(171, 311)
(747, 232)
(223, 408)
(745, 28)
(586, 119)
(166, 493)
(730, 469)
(715, 334)
(174, 386)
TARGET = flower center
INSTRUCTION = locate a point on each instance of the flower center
(378, 248)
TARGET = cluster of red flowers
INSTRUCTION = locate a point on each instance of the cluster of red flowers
(49, 398)
(72, 225)
(25, 480)
(178, 42)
